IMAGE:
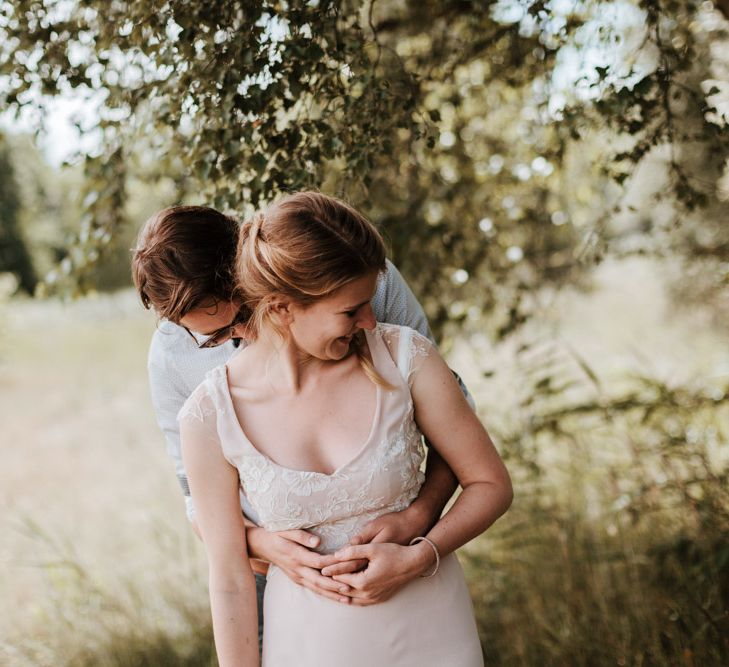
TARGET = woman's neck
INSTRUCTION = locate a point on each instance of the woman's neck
(282, 363)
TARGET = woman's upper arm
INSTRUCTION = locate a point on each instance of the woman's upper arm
(451, 426)
(214, 486)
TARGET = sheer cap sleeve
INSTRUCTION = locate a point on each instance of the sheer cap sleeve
(198, 415)
(198, 419)
(409, 349)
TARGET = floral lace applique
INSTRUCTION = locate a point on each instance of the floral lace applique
(259, 475)
(304, 483)
(198, 407)
(386, 477)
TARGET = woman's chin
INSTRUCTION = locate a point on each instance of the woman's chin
(341, 347)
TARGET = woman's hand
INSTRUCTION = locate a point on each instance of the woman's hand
(389, 568)
(291, 551)
(395, 527)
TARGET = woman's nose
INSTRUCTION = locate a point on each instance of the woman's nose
(367, 318)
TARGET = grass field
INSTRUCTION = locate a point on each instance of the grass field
(93, 524)
(99, 566)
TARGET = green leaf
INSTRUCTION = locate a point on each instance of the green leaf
(259, 162)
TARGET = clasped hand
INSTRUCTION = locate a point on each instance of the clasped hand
(369, 570)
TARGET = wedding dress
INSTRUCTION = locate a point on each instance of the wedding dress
(430, 620)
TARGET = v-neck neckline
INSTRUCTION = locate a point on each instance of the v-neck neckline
(339, 469)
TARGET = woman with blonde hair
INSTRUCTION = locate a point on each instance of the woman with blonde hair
(318, 422)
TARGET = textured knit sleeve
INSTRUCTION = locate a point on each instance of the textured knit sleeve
(169, 392)
(395, 303)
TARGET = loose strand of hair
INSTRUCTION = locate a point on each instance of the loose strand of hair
(366, 364)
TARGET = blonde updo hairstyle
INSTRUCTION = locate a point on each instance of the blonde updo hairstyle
(304, 247)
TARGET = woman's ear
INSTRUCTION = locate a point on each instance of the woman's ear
(280, 310)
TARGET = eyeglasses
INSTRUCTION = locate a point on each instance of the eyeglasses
(222, 335)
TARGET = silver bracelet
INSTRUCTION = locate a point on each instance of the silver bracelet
(415, 540)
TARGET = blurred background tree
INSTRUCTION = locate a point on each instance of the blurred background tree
(484, 135)
(14, 255)
(509, 149)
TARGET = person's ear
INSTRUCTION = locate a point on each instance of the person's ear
(281, 311)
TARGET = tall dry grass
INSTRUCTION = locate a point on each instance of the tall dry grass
(616, 549)
(98, 563)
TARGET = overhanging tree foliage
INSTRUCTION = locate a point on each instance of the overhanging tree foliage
(438, 118)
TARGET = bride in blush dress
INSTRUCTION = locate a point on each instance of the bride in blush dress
(318, 421)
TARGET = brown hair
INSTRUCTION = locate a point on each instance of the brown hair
(185, 259)
(304, 247)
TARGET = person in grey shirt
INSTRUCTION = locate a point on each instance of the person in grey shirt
(183, 269)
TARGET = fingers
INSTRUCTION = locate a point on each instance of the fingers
(354, 552)
(326, 594)
(326, 561)
(392, 527)
(297, 556)
(350, 579)
(362, 592)
(302, 537)
(292, 555)
(326, 586)
(366, 602)
(385, 534)
(344, 567)
(298, 550)
(367, 534)
(320, 585)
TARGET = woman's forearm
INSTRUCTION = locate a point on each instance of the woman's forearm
(214, 484)
(446, 420)
(477, 507)
(235, 618)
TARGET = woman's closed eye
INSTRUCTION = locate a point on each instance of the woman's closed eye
(356, 310)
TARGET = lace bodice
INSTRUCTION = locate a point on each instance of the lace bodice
(384, 476)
